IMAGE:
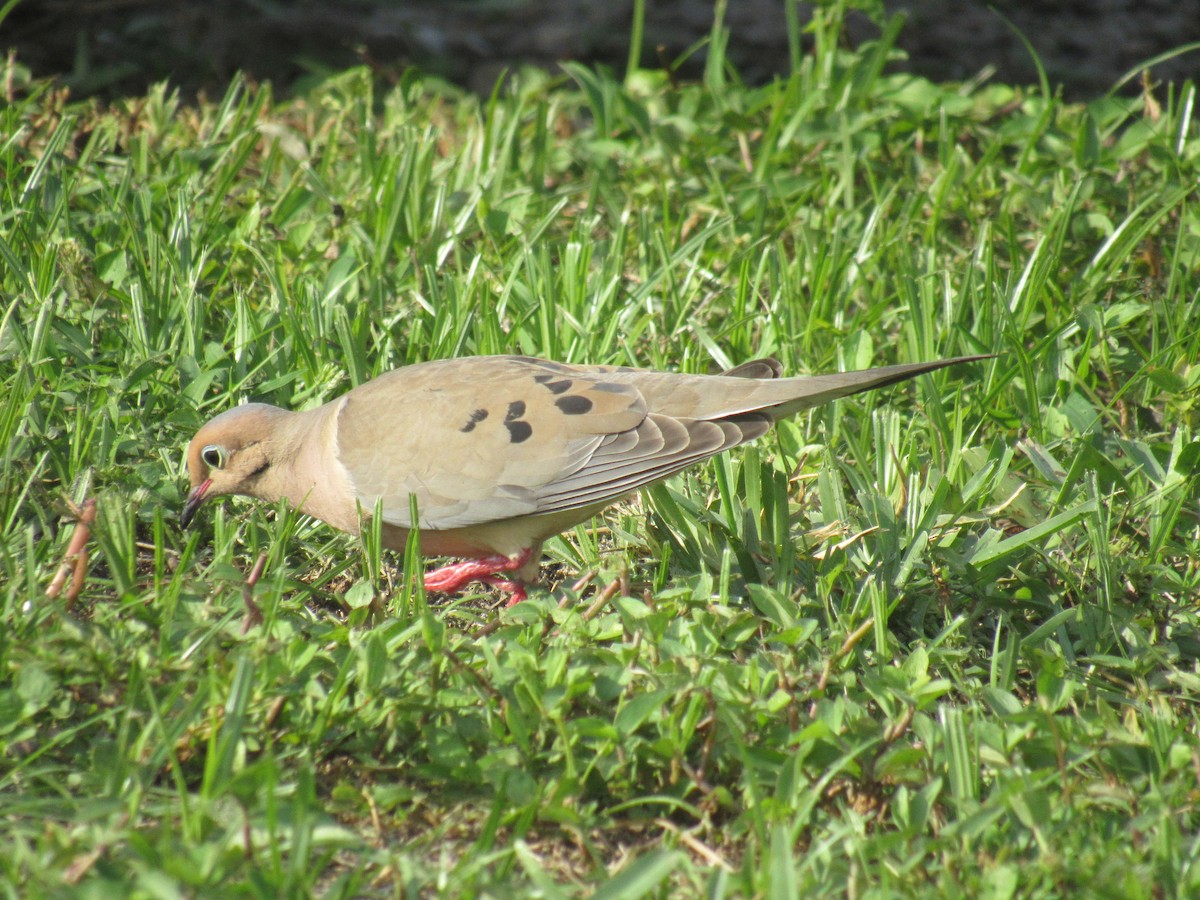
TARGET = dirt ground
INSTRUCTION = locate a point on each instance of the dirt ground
(120, 46)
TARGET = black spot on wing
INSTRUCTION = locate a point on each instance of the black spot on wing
(573, 404)
(476, 417)
(553, 386)
(517, 430)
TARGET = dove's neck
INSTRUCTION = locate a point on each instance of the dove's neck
(305, 469)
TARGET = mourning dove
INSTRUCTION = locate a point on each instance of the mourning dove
(501, 452)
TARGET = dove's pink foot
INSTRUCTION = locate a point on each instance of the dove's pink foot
(512, 587)
(449, 579)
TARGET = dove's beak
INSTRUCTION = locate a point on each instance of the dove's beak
(195, 498)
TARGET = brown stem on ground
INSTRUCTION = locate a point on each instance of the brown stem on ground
(618, 585)
(254, 615)
(75, 560)
(584, 580)
(275, 709)
(705, 852)
(488, 628)
(855, 636)
(898, 729)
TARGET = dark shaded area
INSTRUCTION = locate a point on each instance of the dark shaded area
(121, 46)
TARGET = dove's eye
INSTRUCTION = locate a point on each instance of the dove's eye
(213, 456)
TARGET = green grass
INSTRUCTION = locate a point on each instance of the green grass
(939, 639)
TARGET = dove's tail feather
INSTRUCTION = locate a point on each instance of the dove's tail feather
(809, 391)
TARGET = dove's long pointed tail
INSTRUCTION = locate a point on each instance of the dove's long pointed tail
(813, 390)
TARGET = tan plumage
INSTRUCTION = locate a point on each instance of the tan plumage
(501, 452)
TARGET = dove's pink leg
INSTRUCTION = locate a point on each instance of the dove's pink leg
(449, 579)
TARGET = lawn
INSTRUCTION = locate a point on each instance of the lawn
(937, 639)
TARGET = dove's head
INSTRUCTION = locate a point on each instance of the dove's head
(232, 454)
